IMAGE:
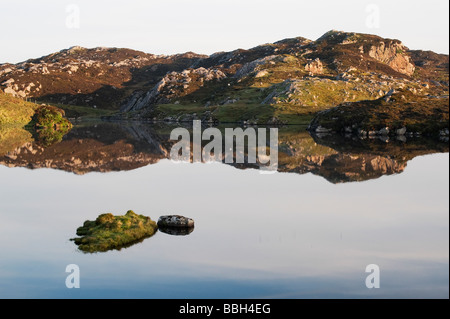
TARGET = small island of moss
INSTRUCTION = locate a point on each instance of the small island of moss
(49, 125)
(109, 232)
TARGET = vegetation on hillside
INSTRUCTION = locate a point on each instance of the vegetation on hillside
(47, 123)
(12, 137)
(286, 82)
(15, 111)
(400, 111)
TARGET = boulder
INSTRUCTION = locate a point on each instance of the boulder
(175, 221)
(394, 54)
(362, 133)
(261, 74)
(401, 131)
(384, 131)
(315, 67)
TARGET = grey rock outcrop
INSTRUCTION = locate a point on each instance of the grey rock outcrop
(172, 85)
(251, 67)
(394, 55)
(176, 221)
(315, 67)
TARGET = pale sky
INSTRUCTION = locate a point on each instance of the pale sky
(33, 28)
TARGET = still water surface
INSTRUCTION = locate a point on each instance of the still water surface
(299, 233)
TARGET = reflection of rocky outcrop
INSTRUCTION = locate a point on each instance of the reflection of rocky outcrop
(114, 147)
(12, 138)
(101, 148)
(349, 168)
(359, 160)
(341, 160)
(146, 136)
(398, 149)
(303, 154)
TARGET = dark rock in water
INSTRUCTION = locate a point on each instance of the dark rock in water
(176, 225)
(176, 231)
(176, 221)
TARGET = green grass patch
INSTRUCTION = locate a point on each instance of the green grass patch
(49, 117)
(320, 95)
(49, 125)
(178, 109)
(109, 232)
(240, 111)
(12, 137)
(15, 111)
(418, 114)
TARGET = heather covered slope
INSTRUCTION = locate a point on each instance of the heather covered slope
(286, 82)
(291, 80)
(20, 120)
(14, 111)
(399, 113)
(98, 77)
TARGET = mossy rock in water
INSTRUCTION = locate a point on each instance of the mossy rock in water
(109, 232)
(47, 116)
(49, 136)
(49, 125)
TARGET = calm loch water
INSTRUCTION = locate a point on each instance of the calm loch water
(306, 231)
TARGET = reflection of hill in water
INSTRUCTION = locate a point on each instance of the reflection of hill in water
(359, 160)
(12, 138)
(101, 148)
(106, 147)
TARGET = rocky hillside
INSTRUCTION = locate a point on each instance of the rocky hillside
(399, 114)
(283, 82)
(99, 77)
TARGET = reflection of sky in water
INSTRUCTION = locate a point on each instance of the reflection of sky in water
(276, 236)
